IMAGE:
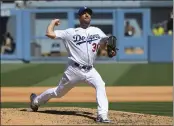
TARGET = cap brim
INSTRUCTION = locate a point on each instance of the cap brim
(87, 10)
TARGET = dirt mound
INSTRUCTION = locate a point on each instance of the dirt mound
(69, 115)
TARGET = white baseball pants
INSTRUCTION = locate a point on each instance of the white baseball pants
(71, 77)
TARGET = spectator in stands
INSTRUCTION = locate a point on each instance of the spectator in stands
(129, 29)
(165, 27)
(8, 45)
(170, 24)
(158, 30)
(21, 3)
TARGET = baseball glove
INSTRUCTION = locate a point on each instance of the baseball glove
(111, 46)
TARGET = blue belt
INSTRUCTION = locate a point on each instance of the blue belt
(84, 67)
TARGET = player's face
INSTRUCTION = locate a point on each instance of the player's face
(85, 18)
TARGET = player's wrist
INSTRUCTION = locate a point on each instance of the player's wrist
(52, 23)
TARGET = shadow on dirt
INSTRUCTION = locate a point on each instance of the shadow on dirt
(75, 113)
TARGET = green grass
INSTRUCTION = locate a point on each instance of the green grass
(157, 74)
(29, 76)
(151, 74)
(155, 108)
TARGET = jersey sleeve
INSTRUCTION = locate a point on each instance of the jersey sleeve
(60, 34)
(103, 36)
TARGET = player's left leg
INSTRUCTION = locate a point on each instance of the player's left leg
(64, 86)
(71, 77)
(94, 78)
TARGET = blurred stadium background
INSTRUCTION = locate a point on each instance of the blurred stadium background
(143, 28)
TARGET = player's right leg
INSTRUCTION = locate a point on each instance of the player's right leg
(94, 78)
(68, 81)
(59, 91)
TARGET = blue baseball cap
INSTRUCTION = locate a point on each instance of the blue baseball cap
(82, 9)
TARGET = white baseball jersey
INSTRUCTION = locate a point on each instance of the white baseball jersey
(81, 44)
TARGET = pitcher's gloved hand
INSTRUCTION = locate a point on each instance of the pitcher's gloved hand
(111, 46)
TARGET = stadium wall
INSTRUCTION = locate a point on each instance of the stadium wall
(147, 42)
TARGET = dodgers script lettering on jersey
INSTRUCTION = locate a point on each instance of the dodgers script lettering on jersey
(78, 39)
(81, 44)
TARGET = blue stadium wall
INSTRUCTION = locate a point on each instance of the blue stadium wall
(153, 48)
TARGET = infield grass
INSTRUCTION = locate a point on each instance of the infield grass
(156, 74)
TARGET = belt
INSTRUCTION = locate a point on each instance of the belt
(83, 67)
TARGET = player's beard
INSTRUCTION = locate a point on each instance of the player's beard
(85, 23)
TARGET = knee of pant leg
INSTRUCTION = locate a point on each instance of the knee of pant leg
(60, 95)
(53, 92)
(100, 86)
(59, 91)
(103, 83)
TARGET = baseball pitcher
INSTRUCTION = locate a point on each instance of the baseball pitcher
(82, 44)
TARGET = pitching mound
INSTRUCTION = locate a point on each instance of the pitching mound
(69, 115)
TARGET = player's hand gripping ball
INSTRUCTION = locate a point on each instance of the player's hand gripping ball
(56, 22)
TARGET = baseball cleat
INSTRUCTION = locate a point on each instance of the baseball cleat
(32, 105)
(103, 119)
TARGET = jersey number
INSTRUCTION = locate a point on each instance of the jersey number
(95, 47)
